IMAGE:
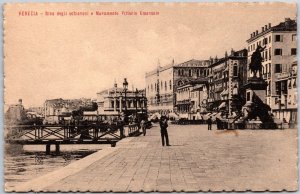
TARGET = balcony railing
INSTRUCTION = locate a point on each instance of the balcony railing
(283, 75)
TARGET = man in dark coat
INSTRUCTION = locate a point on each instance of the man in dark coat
(163, 130)
(209, 123)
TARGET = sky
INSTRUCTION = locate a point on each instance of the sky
(47, 57)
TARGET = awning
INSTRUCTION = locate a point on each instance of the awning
(222, 105)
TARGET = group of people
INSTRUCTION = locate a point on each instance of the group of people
(163, 123)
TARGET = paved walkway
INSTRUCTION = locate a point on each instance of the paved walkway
(198, 160)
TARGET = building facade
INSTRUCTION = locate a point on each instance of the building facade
(114, 101)
(162, 83)
(279, 45)
(15, 113)
(159, 89)
(58, 107)
(226, 75)
(191, 98)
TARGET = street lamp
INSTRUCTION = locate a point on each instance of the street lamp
(136, 100)
(142, 104)
(125, 87)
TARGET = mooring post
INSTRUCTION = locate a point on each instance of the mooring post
(48, 149)
(57, 148)
(113, 144)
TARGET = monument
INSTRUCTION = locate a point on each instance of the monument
(255, 110)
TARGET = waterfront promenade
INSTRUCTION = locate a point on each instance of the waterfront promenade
(198, 160)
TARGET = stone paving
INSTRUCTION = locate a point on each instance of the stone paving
(198, 160)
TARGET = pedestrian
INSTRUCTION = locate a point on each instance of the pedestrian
(218, 121)
(121, 126)
(163, 130)
(143, 126)
(209, 122)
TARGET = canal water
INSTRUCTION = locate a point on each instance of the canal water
(23, 163)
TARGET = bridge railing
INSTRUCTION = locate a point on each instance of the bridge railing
(133, 130)
(37, 133)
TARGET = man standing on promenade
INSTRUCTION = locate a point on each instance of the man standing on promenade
(163, 130)
(143, 126)
(121, 126)
(209, 122)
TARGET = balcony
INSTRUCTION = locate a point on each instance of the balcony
(283, 75)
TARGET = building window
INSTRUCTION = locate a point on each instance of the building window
(161, 84)
(266, 55)
(278, 52)
(293, 51)
(294, 37)
(166, 87)
(155, 87)
(170, 84)
(270, 53)
(180, 83)
(278, 68)
(190, 73)
(265, 41)
(269, 38)
(248, 96)
(278, 38)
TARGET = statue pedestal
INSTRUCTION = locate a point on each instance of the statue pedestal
(255, 86)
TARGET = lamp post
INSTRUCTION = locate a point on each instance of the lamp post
(125, 87)
(142, 104)
(136, 100)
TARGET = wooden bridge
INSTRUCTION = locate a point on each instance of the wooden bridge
(67, 134)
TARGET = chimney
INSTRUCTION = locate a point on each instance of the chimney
(269, 25)
(256, 33)
(287, 22)
(266, 27)
(20, 101)
(251, 35)
(262, 29)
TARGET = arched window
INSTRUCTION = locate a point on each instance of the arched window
(180, 83)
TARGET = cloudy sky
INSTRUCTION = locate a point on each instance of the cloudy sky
(77, 56)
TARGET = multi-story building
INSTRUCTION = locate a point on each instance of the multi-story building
(57, 107)
(280, 49)
(162, 83)
(159, 88)
(191, 98)
(226, 75)
(113, 101)
(286, 89)
(15, 113)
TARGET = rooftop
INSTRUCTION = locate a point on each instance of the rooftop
(287, 25)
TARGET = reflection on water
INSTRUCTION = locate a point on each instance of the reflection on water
(25, 164)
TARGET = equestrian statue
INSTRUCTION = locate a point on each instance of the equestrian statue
(256, 59)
